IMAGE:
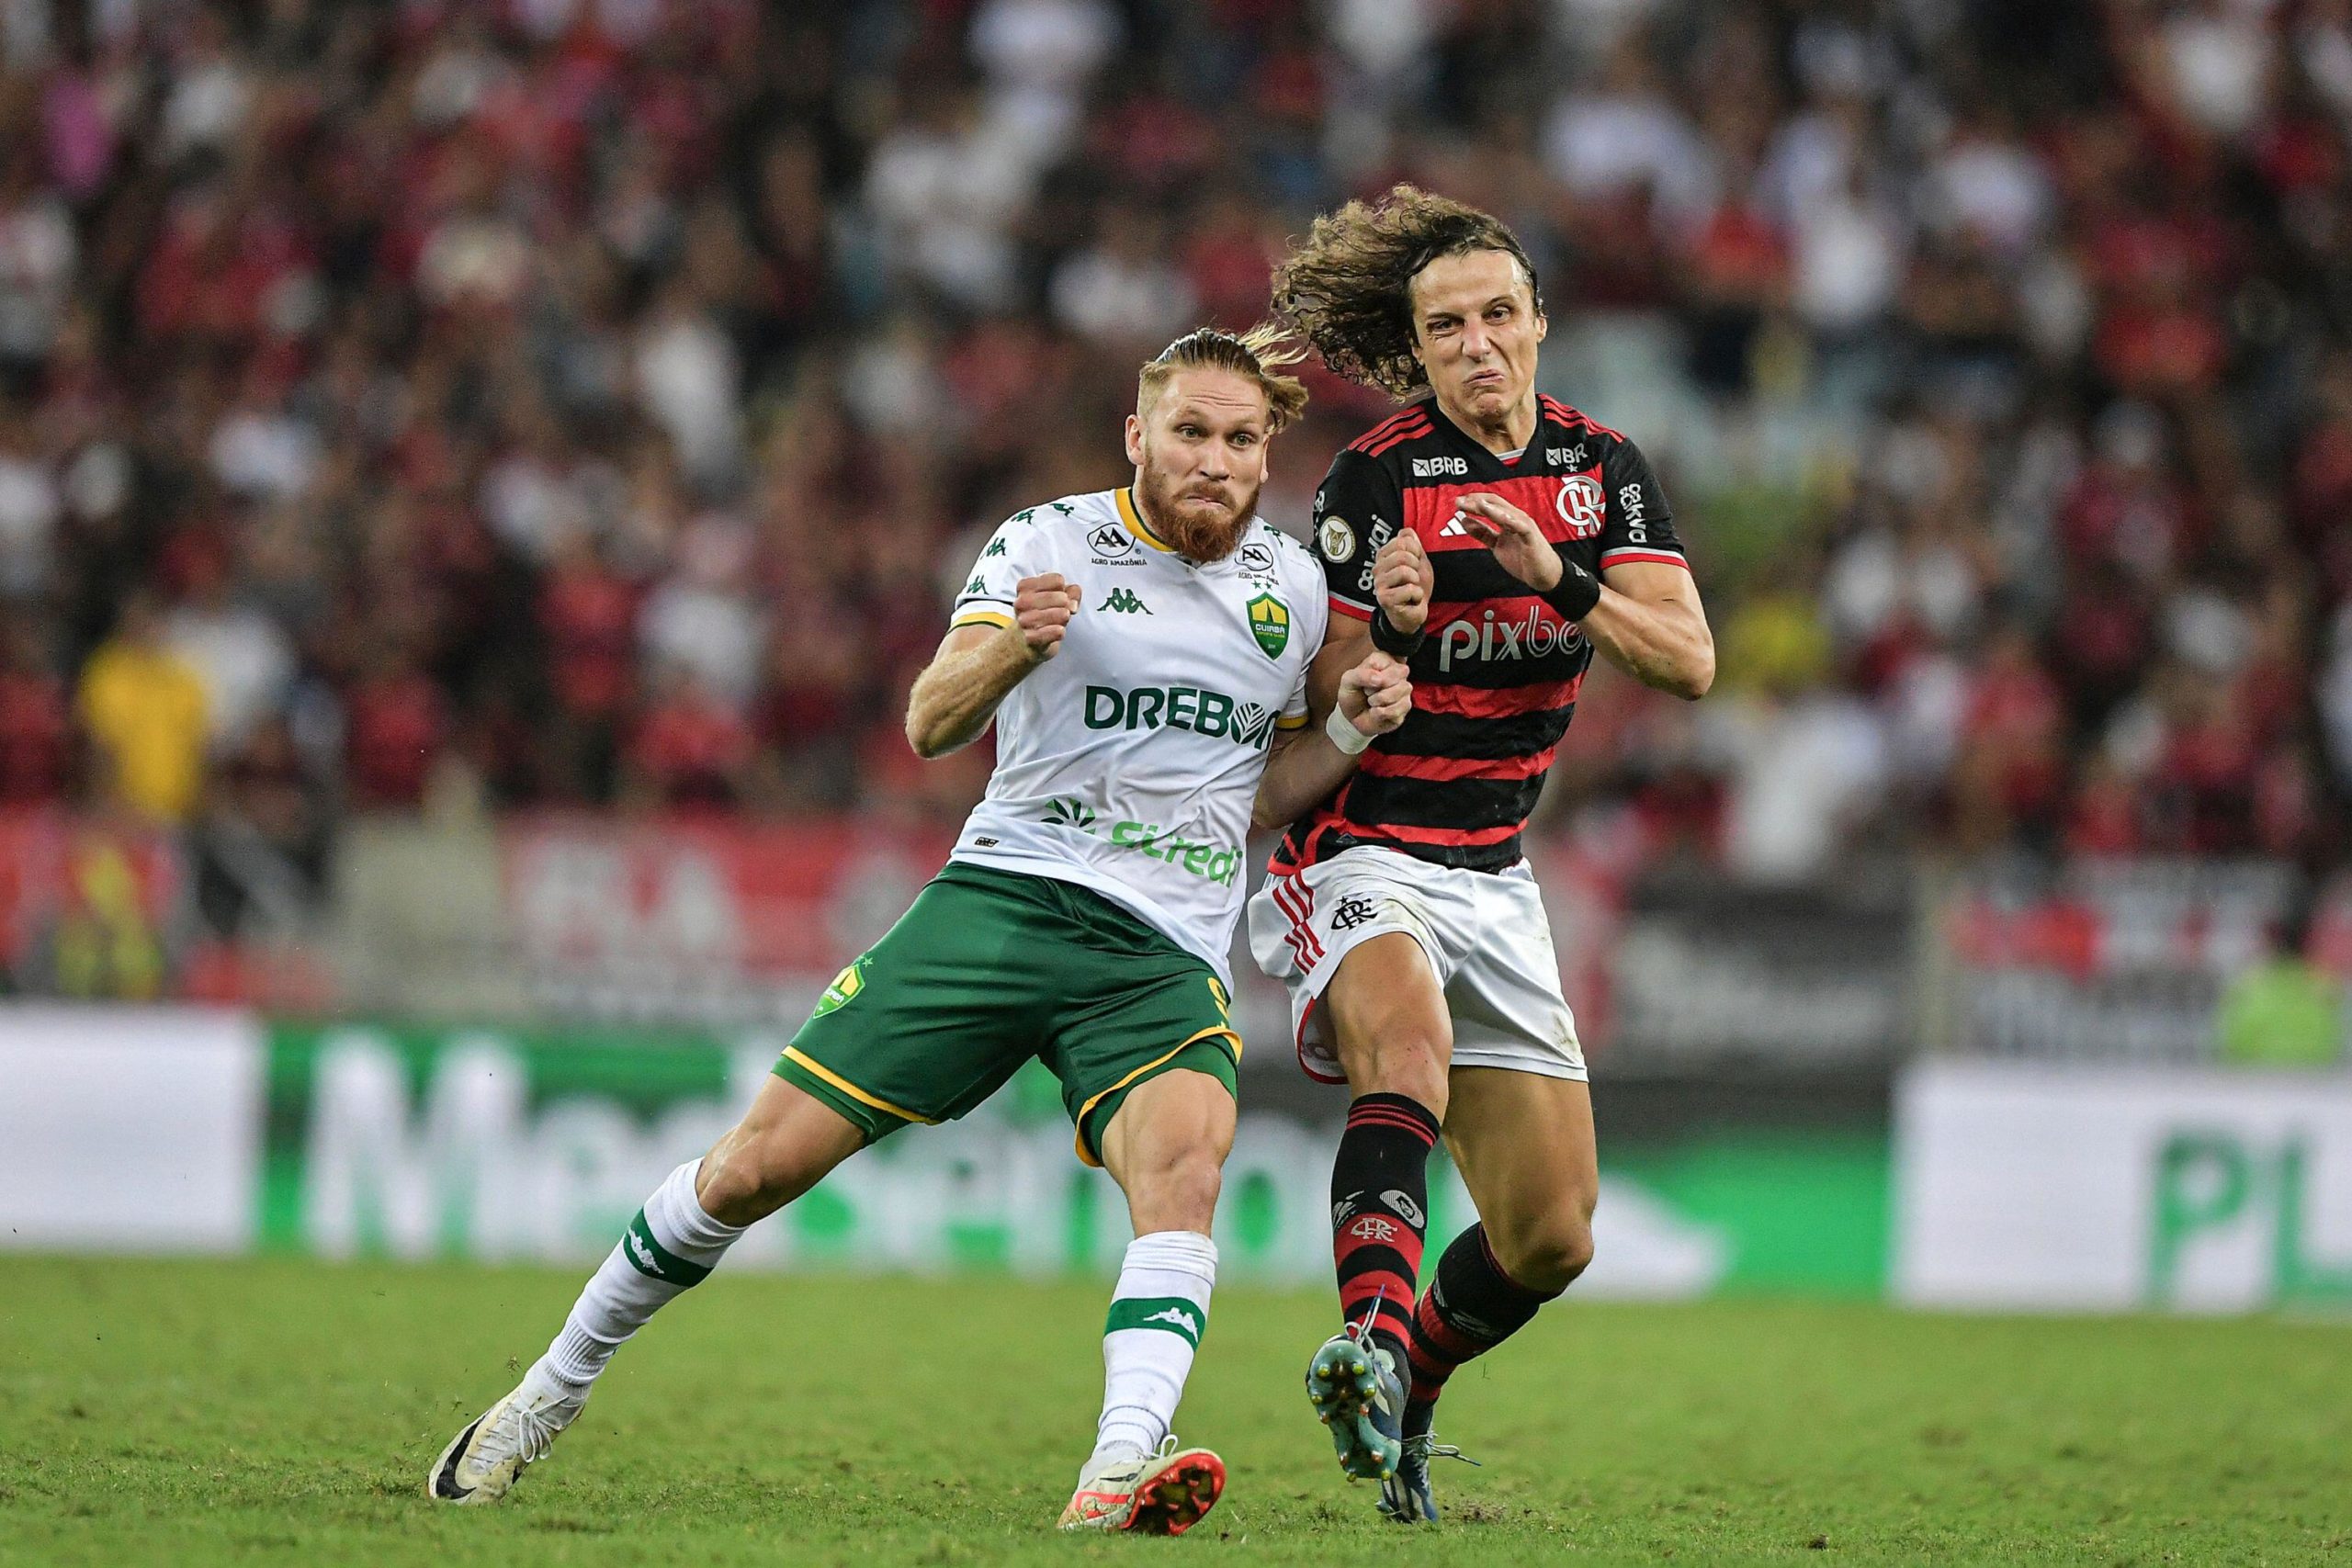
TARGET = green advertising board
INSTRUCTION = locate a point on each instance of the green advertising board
(499, 1144)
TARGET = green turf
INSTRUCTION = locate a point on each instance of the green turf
(195, 1414)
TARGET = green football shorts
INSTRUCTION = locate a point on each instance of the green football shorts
(987, 968)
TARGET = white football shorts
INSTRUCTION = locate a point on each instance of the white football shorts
(1484, 932)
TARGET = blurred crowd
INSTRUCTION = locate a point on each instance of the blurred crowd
(438, 405)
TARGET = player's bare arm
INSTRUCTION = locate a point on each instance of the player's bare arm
(977, 666)
(1649, 621)
(1373, 696)
(1367, 688)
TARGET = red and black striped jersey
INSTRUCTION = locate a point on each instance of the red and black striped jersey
(1495, 679)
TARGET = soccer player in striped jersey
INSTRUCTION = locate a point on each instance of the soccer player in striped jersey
(1400, 912)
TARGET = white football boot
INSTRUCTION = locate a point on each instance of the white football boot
(482, 1462)
(1163, 1494)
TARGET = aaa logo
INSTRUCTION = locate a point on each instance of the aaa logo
(1269, 623)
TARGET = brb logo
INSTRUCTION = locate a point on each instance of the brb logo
(1581, 502)
(1438, 467)
(1529, 637)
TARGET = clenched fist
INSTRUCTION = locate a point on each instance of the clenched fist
(1376, 695)
(1518, 543)
(1042, 607)
(1403, 579)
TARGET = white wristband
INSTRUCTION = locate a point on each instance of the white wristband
(1345, 735)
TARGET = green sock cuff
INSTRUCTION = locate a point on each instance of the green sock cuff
(1170, 1315)
(655, 1261)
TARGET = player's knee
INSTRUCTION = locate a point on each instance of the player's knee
(1548, 1258)
(1408, 1058)
(756, 1170)
(1179, 1192)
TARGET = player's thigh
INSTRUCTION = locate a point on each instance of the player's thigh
(784, 1145)
(1525, 1145)
(1135, 1008)
(1386, 1013)
(1165, 1146)
(936, 1015)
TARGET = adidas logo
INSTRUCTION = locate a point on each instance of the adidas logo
(1453, 529)
(1180, 1317)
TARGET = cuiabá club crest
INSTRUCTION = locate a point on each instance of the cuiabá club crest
(1269, 623)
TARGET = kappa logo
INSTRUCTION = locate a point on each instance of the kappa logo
(1126, 602)
(1374, 1228)
(977, 585)
(1437, 467)
(1404, 1207)
(1111, 540)
(1181, 1319)
(996, 548)
(1581, 505)
(1354, 910)
(642, 1255)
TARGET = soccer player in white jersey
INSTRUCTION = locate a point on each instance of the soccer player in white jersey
(1143, 653)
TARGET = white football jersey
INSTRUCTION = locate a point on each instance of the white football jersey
(1129, 760)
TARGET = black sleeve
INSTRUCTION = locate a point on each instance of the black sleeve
(1640, 522)
(1355, 512)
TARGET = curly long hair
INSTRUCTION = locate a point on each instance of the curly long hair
(1349, 290)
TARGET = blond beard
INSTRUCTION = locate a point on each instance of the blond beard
(1195, 541)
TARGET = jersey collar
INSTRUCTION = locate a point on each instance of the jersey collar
(1132, 515)
(1483, 463)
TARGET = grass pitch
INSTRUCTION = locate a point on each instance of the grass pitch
(281, 1411)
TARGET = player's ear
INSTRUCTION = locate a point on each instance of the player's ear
(1542, 324)
(1135, 439)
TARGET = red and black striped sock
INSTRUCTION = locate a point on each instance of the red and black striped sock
(1472, 1306)
(1380, 1194)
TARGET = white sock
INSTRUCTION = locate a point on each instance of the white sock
(673, 1243)
(1158, 1315)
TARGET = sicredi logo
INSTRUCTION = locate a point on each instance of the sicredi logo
(1438, 467)
(1203, 712)
(1529, 637)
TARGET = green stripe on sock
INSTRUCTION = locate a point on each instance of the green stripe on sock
(1173, 1314)
(656, 1261)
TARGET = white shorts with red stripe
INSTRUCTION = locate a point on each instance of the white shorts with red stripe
(1483, 932)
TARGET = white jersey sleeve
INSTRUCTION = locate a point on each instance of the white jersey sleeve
(986, 599)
